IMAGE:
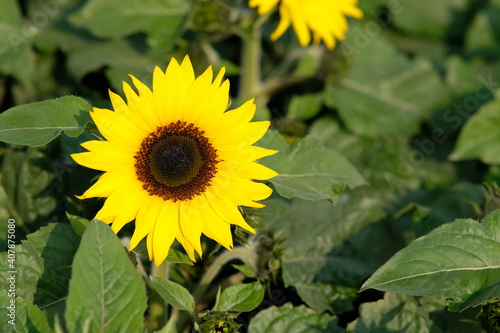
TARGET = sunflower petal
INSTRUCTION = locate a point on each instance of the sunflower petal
(146, 219)
(165, 230)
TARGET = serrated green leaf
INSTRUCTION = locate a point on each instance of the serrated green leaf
(480, 137)
(105, 287)
(308, 170)
(43, 264)
(38, 123)
(241, 297)
(286, 319)
(455, 261)
(163, 19)
(22, 316)
(395, 313)
(174, 294)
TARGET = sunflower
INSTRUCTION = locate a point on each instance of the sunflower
(325, 18)
(176, 161)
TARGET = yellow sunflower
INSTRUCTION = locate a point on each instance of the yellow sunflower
(176, 162)
(325, 18)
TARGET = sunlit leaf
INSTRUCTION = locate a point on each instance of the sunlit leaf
(38, 123)
(480, 137)
(174, 294)
(459, 261)
(240, 298)
(307, 169)
(105, 289)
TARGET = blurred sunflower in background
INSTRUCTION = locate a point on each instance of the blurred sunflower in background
(326, 19)
(176, 162)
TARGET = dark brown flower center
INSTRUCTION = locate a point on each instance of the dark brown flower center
(176, 162)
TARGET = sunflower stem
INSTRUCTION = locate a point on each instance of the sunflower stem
(157, 307)
(251, 54)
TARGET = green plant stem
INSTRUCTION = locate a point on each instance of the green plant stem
(251, 56)
(250, 65)
(157, 307)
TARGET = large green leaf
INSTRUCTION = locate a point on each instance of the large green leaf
(286, 319)
(395, 313)
(240, 298)
(38, 123)
(174, 294)
(43, 264)
(460, 261)
(164, 20)
(119, 58)
(307, 169)
(384, 92)
(106, 292)
(430, 18)
(480, 137)
(330, 245)
(21, 316)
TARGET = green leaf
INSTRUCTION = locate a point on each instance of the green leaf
(36, 124)
(249, 271)
(105, 290)
(430, 18)
(330, 245)
(480, 137)
(14, 40)
(240, 298)
(482, 33)
(307, 169)
(28, 185)
(43, 264)
(458, 261)
(25, 317)
(395, 313)
(78, 223)
(286, 318)
(174, 294)
(304, 107)
(178, 257)
(164, 20)
(384, 92)
(169, 327)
